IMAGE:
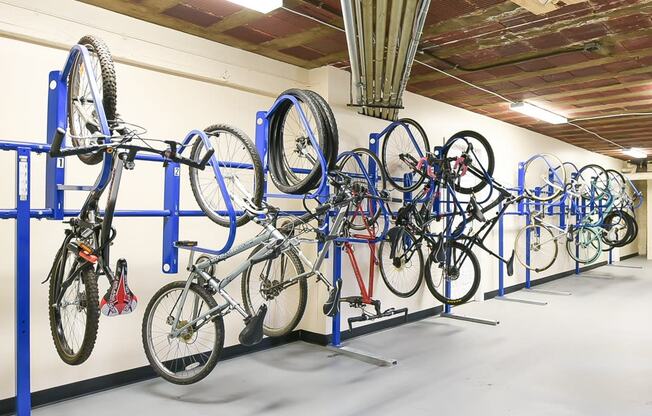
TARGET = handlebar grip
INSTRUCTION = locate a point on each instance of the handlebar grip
(55, 149)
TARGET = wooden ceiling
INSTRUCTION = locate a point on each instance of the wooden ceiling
(588, 59)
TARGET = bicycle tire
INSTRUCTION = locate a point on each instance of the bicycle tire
(454, 245)
(491, 162)
(601, 171)
(206, 200)
(109, 93)
(380, 187)
(530, 192)
(606, 234)
(251, 309)
(57, 327)
(332, 145)
(521, 242)
(280, 171)
(385, 247)
(217, 322)
(385, 158)
(571, 246)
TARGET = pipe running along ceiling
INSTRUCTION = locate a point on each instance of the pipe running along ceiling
(382, 37)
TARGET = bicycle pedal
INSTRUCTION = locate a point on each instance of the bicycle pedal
(252, 333)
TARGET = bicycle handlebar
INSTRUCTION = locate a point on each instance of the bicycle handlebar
(167, 154)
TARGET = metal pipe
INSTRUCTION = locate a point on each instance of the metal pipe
(351, 42)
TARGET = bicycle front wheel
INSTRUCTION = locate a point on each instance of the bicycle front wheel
(193, 353)
(274, 282)
(452, 273)
(74, 309)
(583, 245)
(238, 160)
(544, 178)
(479, 157)
(83, 109)
(535, 247)
(403, 145)
(402, 270)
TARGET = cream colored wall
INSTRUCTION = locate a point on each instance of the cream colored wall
(171, 82)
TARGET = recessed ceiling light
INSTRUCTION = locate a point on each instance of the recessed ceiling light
(538, 113)
(635, 152)
(263, 6)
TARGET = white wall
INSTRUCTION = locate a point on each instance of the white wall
(171, 82)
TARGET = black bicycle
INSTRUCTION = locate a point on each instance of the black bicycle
(97, 136)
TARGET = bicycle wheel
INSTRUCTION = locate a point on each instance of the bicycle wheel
(367, 212)
(583, 245)
(83, 110)
(617, 187)
(478, 157)
(403, 145)
(332, 146)
(74, 314)
(293, 161)
(617, 229)
(273, 283)
(544, 177)
(192, 355)
(452, 273)
(237, 159)
(593, 182)
(542, 247)
(402, 271)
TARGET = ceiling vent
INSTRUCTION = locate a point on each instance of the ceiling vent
(382, 38)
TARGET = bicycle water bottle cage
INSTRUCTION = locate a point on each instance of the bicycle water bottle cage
(119, 299)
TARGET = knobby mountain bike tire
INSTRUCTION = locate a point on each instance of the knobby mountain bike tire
(449, 259)
(198, 360)
(260, 284)
(482, 172)
(237, 157)
(402, 271)
(79, 96)
(293, 161)
(331, 127)
(396, 142)
(84, 305)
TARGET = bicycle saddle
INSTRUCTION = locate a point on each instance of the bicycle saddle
(475, 210)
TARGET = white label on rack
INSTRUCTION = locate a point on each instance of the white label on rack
(22, 178)
(60, 163)
(177, 171)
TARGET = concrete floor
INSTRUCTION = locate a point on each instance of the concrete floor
(585, 354)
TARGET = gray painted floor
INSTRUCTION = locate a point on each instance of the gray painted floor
(585, 354)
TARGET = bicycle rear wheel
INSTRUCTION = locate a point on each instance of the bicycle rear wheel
(238, 159)
(540, 252)
(583, 245)
(83, 110)
(452, 273)
(270, 283)
(369, 210)
(478, 156)
(192, 355)
(74, 314)
(402, 270)
(403, 145)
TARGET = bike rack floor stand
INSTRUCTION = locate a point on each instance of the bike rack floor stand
(360, 355)
(525, 301)
(548, 291)
(483, 321)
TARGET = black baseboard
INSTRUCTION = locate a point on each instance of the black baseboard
(134, 375)
(629, 256)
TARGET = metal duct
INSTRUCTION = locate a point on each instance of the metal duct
(382, 38)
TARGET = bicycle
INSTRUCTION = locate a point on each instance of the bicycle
(84, 254)
(277, 250)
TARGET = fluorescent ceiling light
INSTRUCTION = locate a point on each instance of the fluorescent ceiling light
(263, 6)
(538, 113)
(635, 152)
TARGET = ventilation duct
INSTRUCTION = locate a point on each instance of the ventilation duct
(382, 38)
